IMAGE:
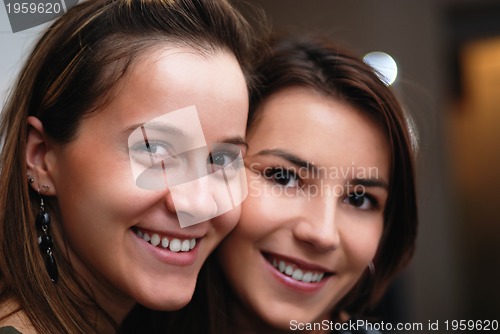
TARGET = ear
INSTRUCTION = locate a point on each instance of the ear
(37, 154)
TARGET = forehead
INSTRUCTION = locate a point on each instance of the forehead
(323, 130)
(171, 78)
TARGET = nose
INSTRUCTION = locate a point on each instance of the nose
(318, 226)
(193, 202)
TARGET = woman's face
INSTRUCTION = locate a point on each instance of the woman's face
(318, 173)
(105, 212)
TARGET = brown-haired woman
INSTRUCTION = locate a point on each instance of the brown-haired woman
(331, 213)
(88, 224)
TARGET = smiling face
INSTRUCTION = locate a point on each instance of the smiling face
(123, 238)
(318, 172)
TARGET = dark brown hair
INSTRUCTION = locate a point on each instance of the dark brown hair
(318, 64)
(70, 73)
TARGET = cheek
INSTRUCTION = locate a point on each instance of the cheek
(226, 222)
(260, 214)
(360, 242)
(95, 198)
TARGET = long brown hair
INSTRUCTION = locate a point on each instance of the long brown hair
(70, 73)
(319, 64)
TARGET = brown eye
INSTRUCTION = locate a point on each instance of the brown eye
(360, 201)
(282, 176)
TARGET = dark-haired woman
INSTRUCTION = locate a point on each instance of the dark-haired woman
(116, 97)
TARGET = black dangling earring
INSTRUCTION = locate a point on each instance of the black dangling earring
(45, 241)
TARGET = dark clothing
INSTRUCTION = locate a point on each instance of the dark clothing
(9, 330)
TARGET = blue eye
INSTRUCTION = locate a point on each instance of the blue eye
(282, 176)
(158, 149)
(150, 153)
(221, 159)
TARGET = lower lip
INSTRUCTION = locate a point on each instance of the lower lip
(168, 257)
(292, 283)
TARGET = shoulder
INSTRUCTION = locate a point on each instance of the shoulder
(13, 320)
(9, 330)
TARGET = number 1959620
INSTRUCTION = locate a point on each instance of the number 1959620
(472, 325)
(33, 8)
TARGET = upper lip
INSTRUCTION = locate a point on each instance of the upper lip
(170, 233)
(301, 263)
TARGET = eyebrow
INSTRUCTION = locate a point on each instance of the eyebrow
(235, 140)
(301, 163)
(290, 157)
(156, 126)
(371, 183)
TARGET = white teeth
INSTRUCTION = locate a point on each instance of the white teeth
(174, 245)
(282, 266)
(185, 246)
(297, 274)
(155, 240)
(307, 278)
(164, 242)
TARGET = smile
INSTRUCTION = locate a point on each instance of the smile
(294, 270)
(173, 244)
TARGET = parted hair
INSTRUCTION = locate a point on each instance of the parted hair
(71, 73)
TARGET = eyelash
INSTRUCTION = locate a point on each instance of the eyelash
(271, 173)
(152, 148)
(373, 202)
(234, 159)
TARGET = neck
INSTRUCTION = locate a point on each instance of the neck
(246, 321)
(116, 309)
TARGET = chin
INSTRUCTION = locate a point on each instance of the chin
(275, 319)
(169, 299)
(170, 303)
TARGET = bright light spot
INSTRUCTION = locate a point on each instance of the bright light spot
(385, 66)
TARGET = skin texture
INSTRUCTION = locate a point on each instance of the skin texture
(309, 220)
(98, 202)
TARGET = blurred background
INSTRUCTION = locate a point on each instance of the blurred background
(448, 58)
